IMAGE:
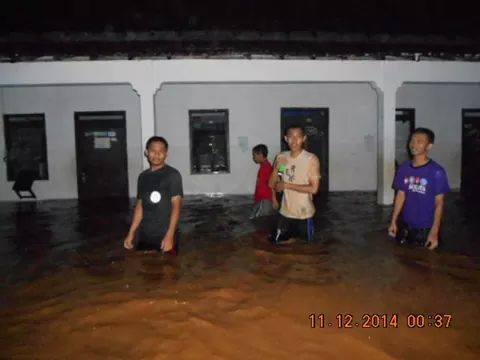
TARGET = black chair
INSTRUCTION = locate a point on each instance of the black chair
(24, 182)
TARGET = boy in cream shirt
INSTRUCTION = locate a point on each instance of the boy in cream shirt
(297, 174)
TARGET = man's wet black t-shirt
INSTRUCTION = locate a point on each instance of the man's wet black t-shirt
(156, 189)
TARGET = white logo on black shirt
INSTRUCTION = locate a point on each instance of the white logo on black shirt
(155, 197)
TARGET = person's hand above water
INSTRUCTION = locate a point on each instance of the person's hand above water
(167, 243)
(393, 229)
(432, 241)
(128, 242)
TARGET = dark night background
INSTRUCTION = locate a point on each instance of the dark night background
(365, 16)
(446, 29)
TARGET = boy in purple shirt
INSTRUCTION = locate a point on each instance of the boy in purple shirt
(421, 185)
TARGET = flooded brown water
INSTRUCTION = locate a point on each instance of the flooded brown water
(70, 291)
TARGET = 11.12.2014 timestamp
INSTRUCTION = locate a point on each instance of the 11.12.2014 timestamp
(365, 321)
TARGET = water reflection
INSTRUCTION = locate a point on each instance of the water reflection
(230, 293)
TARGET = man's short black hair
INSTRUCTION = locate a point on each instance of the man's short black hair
(260, 149)
(155, 139)
(294, 126)
(427, 132)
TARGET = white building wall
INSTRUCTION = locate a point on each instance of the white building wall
(59, 103)
(439, 107)
(254, 112)
(146, 76)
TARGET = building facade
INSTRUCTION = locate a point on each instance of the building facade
(213, 112)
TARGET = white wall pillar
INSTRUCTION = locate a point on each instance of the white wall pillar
(386, 142)
(3, 149)
(147, 113)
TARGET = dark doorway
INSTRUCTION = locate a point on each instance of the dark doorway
(315, 123)
(404, 127)
(26, 146)
(471, 153)
(101, 155)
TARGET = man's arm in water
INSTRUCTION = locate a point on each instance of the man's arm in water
(137, 219)
(313, 181)
(168, 240)
(432, 240)
(272, 182)
(274, 175)
(397, 208)
(275, 203)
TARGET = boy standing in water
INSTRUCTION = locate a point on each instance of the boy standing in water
(421, 185)
(263, 194)
(297, 174)
(159, 202)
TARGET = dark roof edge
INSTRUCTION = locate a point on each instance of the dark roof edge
(229, 44)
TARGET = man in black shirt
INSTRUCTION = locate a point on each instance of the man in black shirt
(159, 202)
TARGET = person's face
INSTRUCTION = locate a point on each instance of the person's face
(295, 139)
(419, 144)
(156, 153)
(257, 157)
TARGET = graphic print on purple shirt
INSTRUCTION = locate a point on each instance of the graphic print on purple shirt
(421, 185)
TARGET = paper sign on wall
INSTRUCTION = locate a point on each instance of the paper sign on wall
(100, 133)
(102, 143)
(243, 143)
